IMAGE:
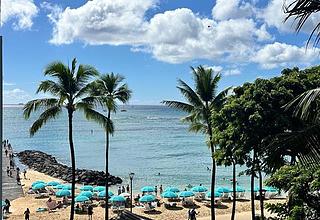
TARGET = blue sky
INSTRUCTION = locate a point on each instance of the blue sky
(152, 43)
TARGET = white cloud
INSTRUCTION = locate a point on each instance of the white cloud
(216, 69)
(232, 72)
(102, 22)
(15, 96)
(232, 9)
(284, 55)
(21, 12)
(8, 84)
(172, 36)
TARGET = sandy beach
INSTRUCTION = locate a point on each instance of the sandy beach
(18, 206)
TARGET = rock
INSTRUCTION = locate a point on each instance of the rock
(48, 164)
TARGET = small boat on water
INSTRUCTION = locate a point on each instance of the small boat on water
(123, 110)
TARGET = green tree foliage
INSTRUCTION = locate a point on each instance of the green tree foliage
(303, 188)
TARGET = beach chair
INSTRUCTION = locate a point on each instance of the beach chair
(117, 208)
(42, 196)
(170, 205)
(148, 208)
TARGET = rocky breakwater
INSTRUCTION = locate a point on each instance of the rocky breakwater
(48, 164)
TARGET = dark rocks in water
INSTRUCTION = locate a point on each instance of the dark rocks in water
(48, 164)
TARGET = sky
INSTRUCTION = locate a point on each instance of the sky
(152, 43)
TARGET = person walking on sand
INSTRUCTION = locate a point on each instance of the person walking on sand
(156, 190)
(8, 171)
(7, 206)
(27, 214)
(161, 189)
(128, 188)
(25, 174)
(123, 190)
(6, 151)
(90, 212)
(119, 190)
(18, 179)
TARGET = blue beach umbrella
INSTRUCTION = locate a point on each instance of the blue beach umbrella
(88, 194)
(169, 195)
(103, 194)
(60, 186)
(270, 189)
(86, 188)
(216, 194)
(81, 199)
(185, 194)
(39, 186)
(99, 188)
(36, 182)
(117, 199)
(223, 190)
(172, 189)
(62, 193)
(199, 189)
(147, 189)
(53, 183)
(147, 198)
(67, 187)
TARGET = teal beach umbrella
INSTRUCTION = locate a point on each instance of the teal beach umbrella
(147, 198)
(67, 187)
(62, 193)
(223, 190)
(81, 199)
(270, 189)
(147, 189)
(39, 186)
(102, 194)
(86, 188)
(99, 188)
(117, 199)
(36, 182)
(53, 183)
(216, 194)
(185, 194)
(169, 195)
(60, 186)
(199, 189)
(88, 194)
(172, 189)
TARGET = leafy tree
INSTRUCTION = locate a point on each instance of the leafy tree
(255, 112)
(303, 187)
(69, 90)
(107, 91)
(200, 103)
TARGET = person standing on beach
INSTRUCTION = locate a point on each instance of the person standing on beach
(7, 206)
(8, 171)
(119, 190)
(6, 151)
(90, 212)
(161, 189)
(128, 188)
(27, 214)
(18, 179)
(123, 189)
(156, 190)
(25, 174)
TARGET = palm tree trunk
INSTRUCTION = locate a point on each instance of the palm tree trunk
(234, 191)
(260, 195)
(73, 165)
(107, 170)
(252, 187)
(213, 172)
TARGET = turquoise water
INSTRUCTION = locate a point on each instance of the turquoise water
(148, 140)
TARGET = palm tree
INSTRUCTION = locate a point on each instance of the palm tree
(301, 10)
(107, 91)
(68, 90)
(201, 102)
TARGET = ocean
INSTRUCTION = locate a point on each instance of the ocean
(148, 140)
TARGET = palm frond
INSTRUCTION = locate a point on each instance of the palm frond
(123, 93)
(48, 114)
(52, 87)
(36, 104)
(99, 118)
(220, 99)
(305, 105)
(111, 81)
(178, 105)
(198, 127)
(301, 10)
(189, 94)
(84, 73)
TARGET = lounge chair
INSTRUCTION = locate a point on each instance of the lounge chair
(188, 203)
(148, 208)
(42, 196)
(199, 197)
(117, 209)
(170, 205)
